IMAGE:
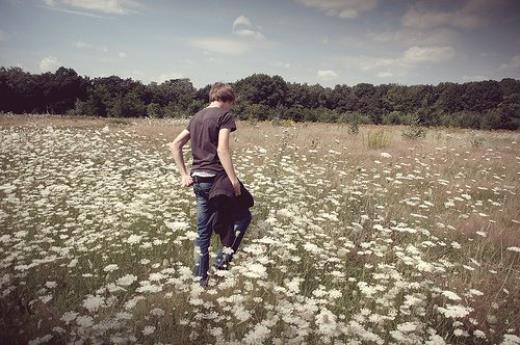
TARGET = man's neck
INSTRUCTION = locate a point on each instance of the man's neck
(214, 105)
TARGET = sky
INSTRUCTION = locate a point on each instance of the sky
(328, 42)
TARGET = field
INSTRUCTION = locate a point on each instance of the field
(367, 238)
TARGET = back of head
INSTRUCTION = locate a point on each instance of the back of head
(221, 92)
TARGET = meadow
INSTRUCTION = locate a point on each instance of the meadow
(367, 238)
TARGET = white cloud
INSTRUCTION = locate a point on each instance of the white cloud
(473, 14)
(242, 20)
(94, 47)
(220, 45)
(513, 64)
(474, 77)
(242, 26)
(385, 74)
(400, 65)
(410, 36)
(428, 54)
(432, 19)
(82, 45)
(368, 63)
(281, 64)
(326, 75)
(49, 64)
(167, 76)
(99, 6)
(341, 8)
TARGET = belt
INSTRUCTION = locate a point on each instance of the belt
(199, 179)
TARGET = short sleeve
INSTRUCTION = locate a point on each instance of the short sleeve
(228, 121)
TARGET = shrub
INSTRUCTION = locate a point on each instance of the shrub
(353, 127)
(154, 110)
(378, 139)
(398, 118)
(490, 120)
(326, 115)
(282, 122)
(393, 118)
(296, 113)
(259, 112)
(414, 131)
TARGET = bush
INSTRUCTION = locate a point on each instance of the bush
(393, 118)
(282, 122)
(353, 128)
(378, 139)
(172, 110)
(490, 120)
(296, 113)
(469, 119)
(326, 115)
(154, 110)
(259, 112)
(415, 130)
(398, 118)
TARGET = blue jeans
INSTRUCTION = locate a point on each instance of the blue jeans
(203, 240)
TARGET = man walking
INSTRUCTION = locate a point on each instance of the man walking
(209, 131)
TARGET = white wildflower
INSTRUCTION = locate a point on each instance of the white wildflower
(133, 239)
(454, 311)
(147, 330)
(176, 225)
(451, 295)
(514, 249)
(255, 271)
(257, 335)
(111, 268)
(92, 303)
(68, 316)
(126, 280)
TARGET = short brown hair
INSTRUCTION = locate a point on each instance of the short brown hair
(221, 92)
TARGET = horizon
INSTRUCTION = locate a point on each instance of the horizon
(273, 75)
(303, 41)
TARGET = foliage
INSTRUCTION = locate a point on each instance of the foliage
(378, 139)
(415, 130)
(480, 105)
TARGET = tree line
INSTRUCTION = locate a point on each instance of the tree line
(485, 104)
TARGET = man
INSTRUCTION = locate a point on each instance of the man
(209, 131)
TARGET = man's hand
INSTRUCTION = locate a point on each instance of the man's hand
(186, 181)
(236, 187)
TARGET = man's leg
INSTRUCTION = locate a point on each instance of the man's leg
(242, 222)
(203, 240)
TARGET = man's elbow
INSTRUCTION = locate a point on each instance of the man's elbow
(175, 145)
(222, 151)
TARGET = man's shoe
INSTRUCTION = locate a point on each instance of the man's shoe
(204, 282)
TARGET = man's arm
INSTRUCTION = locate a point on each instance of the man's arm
(176, 149)
(224, 155)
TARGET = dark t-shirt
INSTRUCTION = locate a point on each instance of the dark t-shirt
(204, 127)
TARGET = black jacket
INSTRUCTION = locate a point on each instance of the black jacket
(222, 198)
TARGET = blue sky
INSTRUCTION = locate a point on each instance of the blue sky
(314, 41)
